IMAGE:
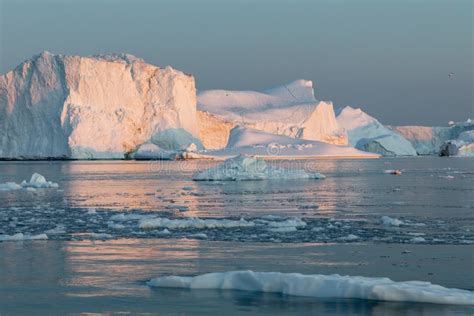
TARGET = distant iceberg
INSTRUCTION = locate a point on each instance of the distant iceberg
(429, 140)
(368, 134)
(249, 141)
(321, 286)
(290, 110)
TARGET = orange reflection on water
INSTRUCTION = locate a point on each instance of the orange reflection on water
(117, 265)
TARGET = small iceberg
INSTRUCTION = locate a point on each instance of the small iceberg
(244, 168)
(388, 221)
(321, 286)
(38, 181)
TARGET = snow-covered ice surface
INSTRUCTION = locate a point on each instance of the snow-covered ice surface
(320, 286)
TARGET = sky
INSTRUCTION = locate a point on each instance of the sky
(392, 58)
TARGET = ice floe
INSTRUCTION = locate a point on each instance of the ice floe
(9, 186)
(321, 286)
(243, 168)
(388, 221)
(197, 223)
(21, 237)
(37, 181)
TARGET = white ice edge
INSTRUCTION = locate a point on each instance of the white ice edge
(321, 286)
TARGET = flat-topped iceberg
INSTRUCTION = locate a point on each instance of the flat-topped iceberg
(321, 286)
(243, 168)
(250, 141)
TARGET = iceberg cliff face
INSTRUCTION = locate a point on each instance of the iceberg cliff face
(462, 146)
(290, 110)
(105, 106)
(368, 134)
(428, 140)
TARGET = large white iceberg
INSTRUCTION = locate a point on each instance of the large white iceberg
(249, 141)
(242, 168)
(367, 133)
(104, 106)
(290, 110)
(321, 286)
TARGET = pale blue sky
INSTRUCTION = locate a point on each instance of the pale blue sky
(390, 57)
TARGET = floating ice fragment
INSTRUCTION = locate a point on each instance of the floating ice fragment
(321, 286)
(396, 172)
(9, 186)
(418, 240)
(388, 221)
(243, 168)
(38, 181)
(192, 222)
(350, 237)
(101, 236)
(21, 237)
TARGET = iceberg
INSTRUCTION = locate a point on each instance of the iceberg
(368, 134)
(429, 140)
(249, 141)
(96, 107)
(290, 110)
(38, 181)
(389, 221)
(463, 146)
(320, 286)
(244, 168)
